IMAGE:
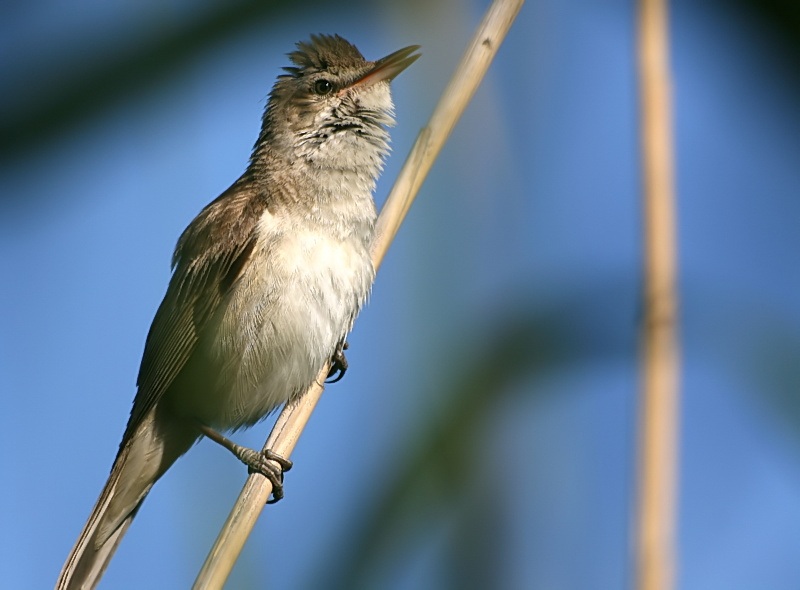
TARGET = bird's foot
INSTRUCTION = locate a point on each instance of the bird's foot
(338, 364)
(268, 463)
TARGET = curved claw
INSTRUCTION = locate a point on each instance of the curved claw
(338, 364)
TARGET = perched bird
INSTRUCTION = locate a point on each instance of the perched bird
(267, 281)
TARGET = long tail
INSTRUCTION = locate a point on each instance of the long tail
(148, 453)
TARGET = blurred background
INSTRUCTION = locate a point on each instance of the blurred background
(485, 435)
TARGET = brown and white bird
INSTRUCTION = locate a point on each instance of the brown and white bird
(267, 281)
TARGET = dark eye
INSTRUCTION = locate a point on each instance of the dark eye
(323, 87)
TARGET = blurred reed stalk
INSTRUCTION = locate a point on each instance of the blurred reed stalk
(658, 428)
(289, 425)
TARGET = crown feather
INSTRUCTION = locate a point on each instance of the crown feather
(322, 52)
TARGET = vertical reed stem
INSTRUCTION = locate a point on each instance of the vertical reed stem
(658, 429)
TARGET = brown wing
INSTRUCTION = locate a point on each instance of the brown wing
(208, 259)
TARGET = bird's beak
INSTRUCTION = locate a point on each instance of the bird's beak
(389, 67)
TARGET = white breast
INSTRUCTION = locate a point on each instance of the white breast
(293, 303)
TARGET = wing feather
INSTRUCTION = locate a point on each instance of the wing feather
(209, 258)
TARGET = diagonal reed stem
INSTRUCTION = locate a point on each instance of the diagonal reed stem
(465, 81)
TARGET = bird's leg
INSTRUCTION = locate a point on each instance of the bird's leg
(257, 462)
(338, 363)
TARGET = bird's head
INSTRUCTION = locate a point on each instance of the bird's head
(332, 107)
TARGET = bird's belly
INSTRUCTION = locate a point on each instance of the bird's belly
(281, 323)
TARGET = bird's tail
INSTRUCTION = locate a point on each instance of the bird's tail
(141, 460)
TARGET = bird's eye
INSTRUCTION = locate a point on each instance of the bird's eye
(323, 87)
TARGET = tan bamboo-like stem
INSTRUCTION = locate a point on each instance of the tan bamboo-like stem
(485, 43)
(658, 428)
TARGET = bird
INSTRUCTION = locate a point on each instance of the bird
(266, 283)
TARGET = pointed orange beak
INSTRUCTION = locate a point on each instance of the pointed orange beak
(389, 67)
